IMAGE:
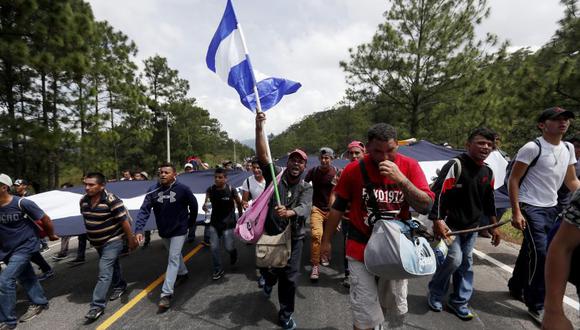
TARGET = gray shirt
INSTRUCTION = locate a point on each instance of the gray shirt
(297, 197)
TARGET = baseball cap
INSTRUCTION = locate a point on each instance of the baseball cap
(299, 153)
(18, 182)
(5, 179)
(356, 144)
(145, 175)
(326, 151)
(188, 165)
(554, 112)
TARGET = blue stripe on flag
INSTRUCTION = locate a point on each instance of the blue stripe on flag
(241, 79)
(227, 25)
(271, 91)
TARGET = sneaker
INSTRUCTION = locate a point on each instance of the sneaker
(537, 315)
(59, 257)
(346, 282)
(261, 282)
(288, 325)
(315, 274)
(165, 302)
(217, 275)
(434, 303)
(44, 248)
(325, 262)
(117, 293)
(6, 326)
(180, 279)
(76, 262)
(267, 290)
(46, 275)
(463, 312)
(32, 311)
(233, 257)
(94, 313)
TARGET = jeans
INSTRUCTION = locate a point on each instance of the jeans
(214, 239)
(109, 272)
(175, 264)
(528, 272)
(18, 267)
(317, 219)
(459, 265)
(287, 278)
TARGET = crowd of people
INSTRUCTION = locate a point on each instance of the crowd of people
(379, 183)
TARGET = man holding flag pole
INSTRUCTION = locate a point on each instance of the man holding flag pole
(227, 56)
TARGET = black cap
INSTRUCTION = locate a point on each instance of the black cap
(19, 182)
(554, 112)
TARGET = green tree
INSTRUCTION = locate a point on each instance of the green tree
(424, 50)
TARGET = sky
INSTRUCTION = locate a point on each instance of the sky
(301, 40)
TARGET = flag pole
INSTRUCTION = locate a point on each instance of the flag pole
(258, 110)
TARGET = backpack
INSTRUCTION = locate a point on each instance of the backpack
(510, 166)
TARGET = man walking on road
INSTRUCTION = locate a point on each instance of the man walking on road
(321, 178)
(108, 225)
(399, 183)
(18, 241)
(296, 203)
(540, 168)
(224, 200)
(463, 193)
(174, 205)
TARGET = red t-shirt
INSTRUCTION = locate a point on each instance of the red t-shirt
(389, 196)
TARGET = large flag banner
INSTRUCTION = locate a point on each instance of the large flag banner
(227, 56)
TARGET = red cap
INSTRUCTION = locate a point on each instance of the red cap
(299, 153)
(356, 144)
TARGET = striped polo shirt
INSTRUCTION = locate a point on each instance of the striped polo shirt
(104, 221)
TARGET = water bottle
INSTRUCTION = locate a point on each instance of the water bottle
(440, 251)
(208, 212)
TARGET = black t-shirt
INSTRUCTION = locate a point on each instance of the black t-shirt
(222, 206)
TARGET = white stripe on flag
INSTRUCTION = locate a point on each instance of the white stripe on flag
(229, 54)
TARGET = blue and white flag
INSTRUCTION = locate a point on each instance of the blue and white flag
(227, 57)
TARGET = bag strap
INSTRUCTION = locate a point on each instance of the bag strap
(369, 187)
(533, 162)
(36, 225)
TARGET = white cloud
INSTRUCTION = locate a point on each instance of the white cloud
(300, 40)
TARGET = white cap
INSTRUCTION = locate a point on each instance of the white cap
(5, 179)
(188, 165)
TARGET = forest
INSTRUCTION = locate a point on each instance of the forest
(73, 97)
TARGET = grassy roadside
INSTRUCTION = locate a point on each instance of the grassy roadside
(509, 233)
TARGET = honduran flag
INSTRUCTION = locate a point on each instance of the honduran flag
(227, 56)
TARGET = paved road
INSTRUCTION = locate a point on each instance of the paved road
(235, 302)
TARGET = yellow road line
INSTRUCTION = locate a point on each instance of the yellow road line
(108, 322)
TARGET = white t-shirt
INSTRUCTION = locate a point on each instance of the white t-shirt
(255, 188)
(541, 183)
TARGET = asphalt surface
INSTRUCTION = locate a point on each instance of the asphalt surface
(236, 302)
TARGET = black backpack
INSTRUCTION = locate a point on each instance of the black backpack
(510, 166)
